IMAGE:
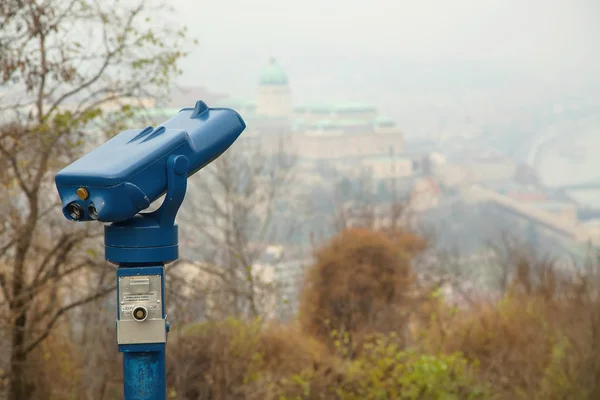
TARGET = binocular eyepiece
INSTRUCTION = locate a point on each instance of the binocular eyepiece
(75, 211)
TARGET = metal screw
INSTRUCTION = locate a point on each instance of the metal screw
(122, 302)
(158, 301)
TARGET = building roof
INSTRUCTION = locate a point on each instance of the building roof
(327, 123)
(384, 121)
(314, 108)
(354, 107)
(348, 108)
(385, 159)
(273, 74)
(340, 123)
(354, 122)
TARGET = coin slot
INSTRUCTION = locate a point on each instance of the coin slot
(140, 313)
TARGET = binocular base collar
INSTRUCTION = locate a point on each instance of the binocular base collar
(141, 255)
(141, 240)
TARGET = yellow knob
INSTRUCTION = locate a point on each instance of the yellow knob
(82, 193)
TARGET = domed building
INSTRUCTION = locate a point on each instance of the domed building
(273, 99)
(352, 132)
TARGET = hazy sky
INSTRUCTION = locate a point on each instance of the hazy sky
(376, 49)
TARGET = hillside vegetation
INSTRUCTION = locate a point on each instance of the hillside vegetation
(369, 329)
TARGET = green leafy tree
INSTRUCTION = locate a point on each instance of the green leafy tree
(66, 68)
(383, 370)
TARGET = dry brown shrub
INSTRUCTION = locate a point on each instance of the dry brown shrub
(288, 353)
(285, 349)
(211, 361)
(541, 341)
(233, 359)
(362, 282)
(510, 343)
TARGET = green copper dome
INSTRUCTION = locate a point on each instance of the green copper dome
(273, 74)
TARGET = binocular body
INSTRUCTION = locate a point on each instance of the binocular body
(126, 174)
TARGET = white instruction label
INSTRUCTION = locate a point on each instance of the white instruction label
(136, 291)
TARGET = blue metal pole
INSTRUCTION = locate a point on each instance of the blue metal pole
(144, 372)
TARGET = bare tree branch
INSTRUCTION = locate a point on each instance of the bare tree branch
(234, 215)
(62, 311)
(43, 61)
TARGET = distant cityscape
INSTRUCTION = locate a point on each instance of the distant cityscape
(468, 180)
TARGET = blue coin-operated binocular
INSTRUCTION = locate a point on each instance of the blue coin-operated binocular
(113, 184)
